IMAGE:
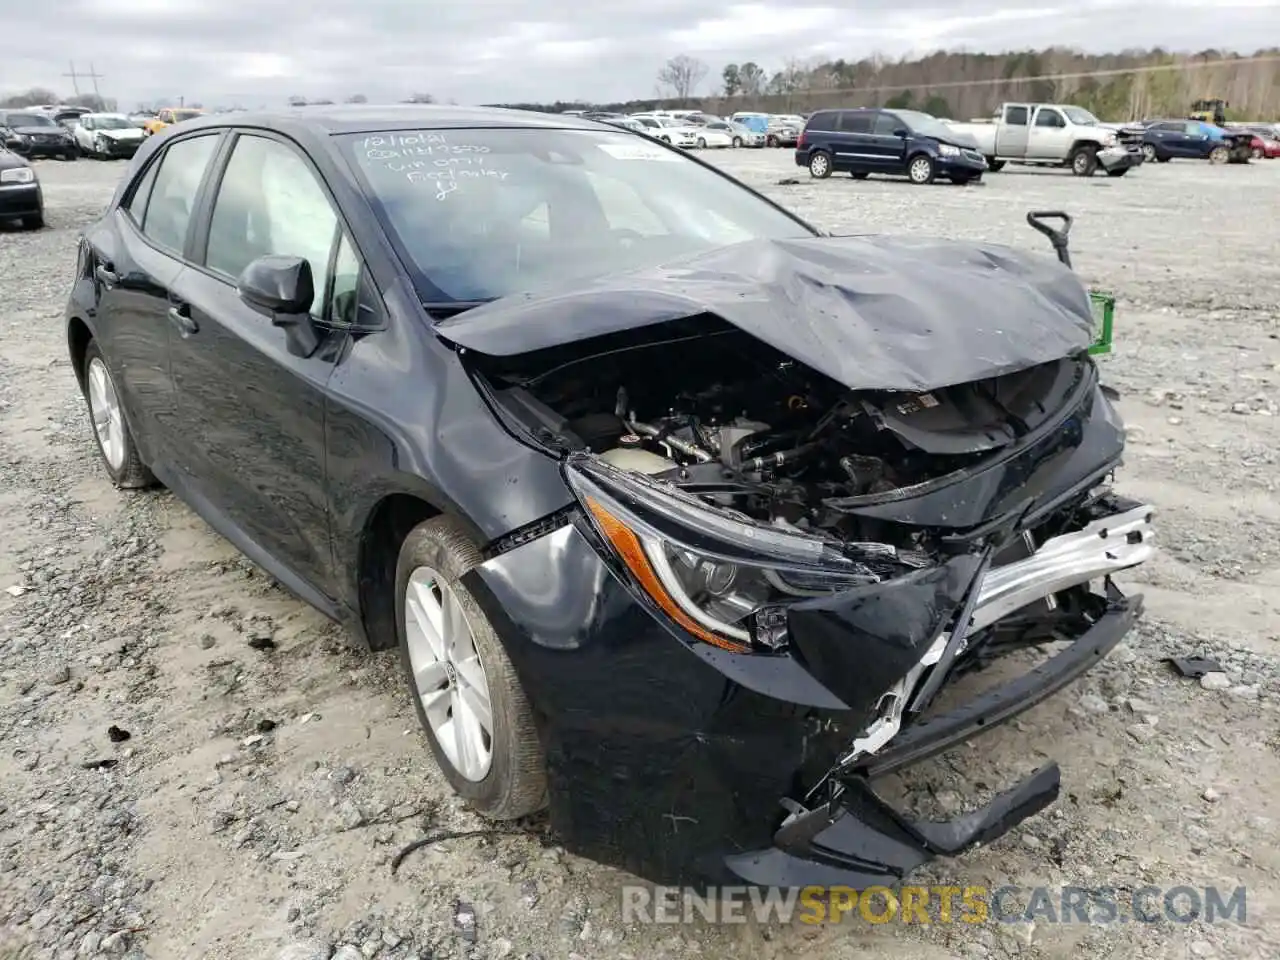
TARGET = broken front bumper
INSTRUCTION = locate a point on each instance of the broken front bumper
(855, 839)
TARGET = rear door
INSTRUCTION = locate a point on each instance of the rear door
(1012, 135)
(254, 412)
(853, 147)
(137, 261)
(1048, 137)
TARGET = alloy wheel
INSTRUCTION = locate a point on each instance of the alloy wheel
(448, 675)
(819, 165)
(104, 407)
(920, 169)
(1148, 153)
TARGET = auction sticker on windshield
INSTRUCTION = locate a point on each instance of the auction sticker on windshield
(638, 151)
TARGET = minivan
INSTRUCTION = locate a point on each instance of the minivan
(897, 142)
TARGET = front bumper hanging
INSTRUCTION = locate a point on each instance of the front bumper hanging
(855, 838)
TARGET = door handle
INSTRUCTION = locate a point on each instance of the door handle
(106, 276)
(181, 318)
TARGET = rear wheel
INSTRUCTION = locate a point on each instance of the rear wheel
(465, 690)
(702, 143)
(1084, 161)
(920, 169)
(1258, 153)
(994, 165)
(1149, 153)
(110, 429)
(820, 164)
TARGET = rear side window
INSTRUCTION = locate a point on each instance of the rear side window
(1016, 116)
(822, 120)
(270, 202)
(173, 193)
(852, 122)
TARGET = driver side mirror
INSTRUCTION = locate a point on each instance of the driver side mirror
(281, 287)
(902, 132)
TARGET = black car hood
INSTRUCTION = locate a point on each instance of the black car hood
(872, 313)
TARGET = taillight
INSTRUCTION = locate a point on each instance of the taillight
(800, 140)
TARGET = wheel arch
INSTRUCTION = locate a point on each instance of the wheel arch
(78, 336)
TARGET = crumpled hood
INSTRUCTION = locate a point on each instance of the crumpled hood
(872, 313)
(41, 131)
(133, 133)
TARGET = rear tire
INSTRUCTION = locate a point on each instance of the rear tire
(820, 165)
(702, 143)
(435, 556)
(994, 165)
(33, 222)
(737, 142)
(110, 428)
(1258, 153)
(1149, 154)
(920, 169)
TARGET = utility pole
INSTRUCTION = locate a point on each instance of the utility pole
(95, 77)
(91, 75)
(75, 86)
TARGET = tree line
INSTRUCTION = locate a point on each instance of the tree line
(1132, 84)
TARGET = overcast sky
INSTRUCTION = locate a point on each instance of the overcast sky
(256, 52)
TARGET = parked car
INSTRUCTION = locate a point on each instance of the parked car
(668, 130)
(108, 135)
(1053, 133)
(715, 135)
(781, 133)
(707, 547)
(896, 142)
(1165, 140)
(168, 117)
(1263, 147)
(738, 135)
(626, 123)
(20, 195)
(35, 135)
(755, 122)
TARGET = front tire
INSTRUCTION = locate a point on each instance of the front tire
(110, 429)
(994, 165)
(465, 690)
(702, 143)
(820, 165)
(737, 142)
(1117, 173)
(920, 169)
(1084, 161)
(860, 174)
(1219, 155)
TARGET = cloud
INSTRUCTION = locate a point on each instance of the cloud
(259, 52)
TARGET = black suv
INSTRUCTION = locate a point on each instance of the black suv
(901, 142)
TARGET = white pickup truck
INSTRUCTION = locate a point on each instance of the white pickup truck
(1052, 133)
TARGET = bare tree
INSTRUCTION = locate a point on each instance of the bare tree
(682, 74)
(357, 98)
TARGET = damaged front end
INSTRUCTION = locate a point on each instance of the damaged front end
(835, 549)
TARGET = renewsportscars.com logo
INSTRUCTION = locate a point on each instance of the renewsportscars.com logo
(934, 904)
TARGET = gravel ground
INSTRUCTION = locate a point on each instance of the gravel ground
(194, 765)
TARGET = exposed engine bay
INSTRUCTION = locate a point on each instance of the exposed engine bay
(724, 416)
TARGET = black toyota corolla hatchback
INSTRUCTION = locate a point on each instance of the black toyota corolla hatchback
(679, 511)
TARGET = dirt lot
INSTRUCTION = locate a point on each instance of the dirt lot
(254, 809)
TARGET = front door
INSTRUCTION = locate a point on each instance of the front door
(1048, 138)
(253, 413)
(889, 146)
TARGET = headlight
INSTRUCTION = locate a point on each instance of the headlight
(1109, 140)
(17, 175)
(947, 150)
(724, 578)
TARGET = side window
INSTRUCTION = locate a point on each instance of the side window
(886, 123)
(137, 205)
(1049, 118)
(345, 299)
(173, 193)
(824, 120)
(269, 202)
(1193, 129)
(855, 122)
(1015, 116)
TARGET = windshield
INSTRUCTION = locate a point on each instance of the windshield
(479, 214)
(1081, 116)
(926, 125)
(111, 123)
(30, 120)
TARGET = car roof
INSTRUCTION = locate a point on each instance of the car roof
(362, 118)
